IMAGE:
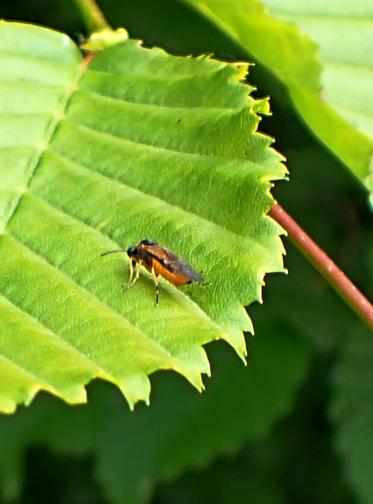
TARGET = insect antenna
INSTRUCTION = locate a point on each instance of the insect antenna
(112, 252)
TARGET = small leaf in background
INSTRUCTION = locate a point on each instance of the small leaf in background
(352, 412)
(139, 144)
(182, 430)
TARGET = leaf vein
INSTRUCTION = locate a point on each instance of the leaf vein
(29, 374)
(51, 332)
(349, 64)
(210, 222)
(34, 160)
(83, 289)
(286, 15)
(25, 83)
(160, 106)
(30, 56)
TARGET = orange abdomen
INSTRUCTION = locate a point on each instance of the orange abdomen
(174, 278)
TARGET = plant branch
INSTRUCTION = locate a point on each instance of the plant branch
(93, 17)
(337, 279)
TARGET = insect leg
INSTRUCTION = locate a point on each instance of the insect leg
(155, 280)
(137, 267)
(134, 272)
(130, 275)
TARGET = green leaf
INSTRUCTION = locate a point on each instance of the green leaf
(331, 88)
(138, 144)
(103, 38)
(352, 411)
(182, 430)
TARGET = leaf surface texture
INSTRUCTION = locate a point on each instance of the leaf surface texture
(98, 155)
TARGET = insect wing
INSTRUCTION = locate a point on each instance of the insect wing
(181, 266)
(173, 263)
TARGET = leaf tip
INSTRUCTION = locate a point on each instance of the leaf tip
(236, 339)
(7, 406)
(135, 388)
(192, 364)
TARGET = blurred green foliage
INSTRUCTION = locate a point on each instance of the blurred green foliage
(297, 459)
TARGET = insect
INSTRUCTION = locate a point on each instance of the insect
(159, 261)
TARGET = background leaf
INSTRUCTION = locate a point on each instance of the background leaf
(352, 412)
(333, 99)
(182, 430)
(140, 144)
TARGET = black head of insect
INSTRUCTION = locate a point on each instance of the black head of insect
(132, 252)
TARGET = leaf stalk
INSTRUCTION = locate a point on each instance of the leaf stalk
(330, 271)
(94, 19)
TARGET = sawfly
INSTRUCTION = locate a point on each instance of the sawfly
(159, 261)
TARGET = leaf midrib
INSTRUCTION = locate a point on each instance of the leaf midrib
(50, 129)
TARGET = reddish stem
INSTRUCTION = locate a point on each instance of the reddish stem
(338, 280)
